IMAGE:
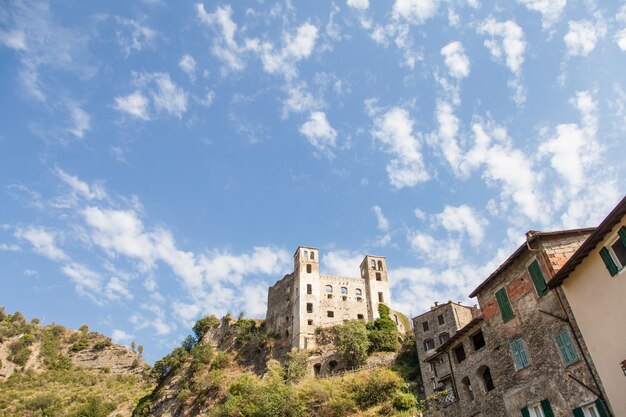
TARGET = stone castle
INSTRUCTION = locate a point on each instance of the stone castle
(306, 299)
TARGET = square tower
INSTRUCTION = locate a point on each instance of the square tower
(374, 272)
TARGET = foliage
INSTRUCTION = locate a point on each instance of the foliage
(296, 365)
(102, 344)
(19, 351)
(203, 325)
(187, 344)
(383, 333)
(94, 407)
(84, 329)
(172, 361)
(404, 401)
(82, 344)
(352, 343)
(221, 360)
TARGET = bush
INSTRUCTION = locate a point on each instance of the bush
(352, 343)
(94, 407)
(404, 401)
(19, 352)
(172, 361)
(383, 333)
(221, 360)
(246, 330)
(377, 387)
(204, 325)
(296, 365)
(84, 329)
(102, 345)
(47, 404)
(82, 344)
(187, 344)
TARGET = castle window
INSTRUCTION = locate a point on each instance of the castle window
(380, 297)
(468, 388)
(378, 277)
(310, 322)
(380, 265)
(373, 264)
(330, 313)
(309, 289)
(308, 268)
(441, 320)
(359, 316)
(306, 254)
(459, 352)
(329, 296)
(614, 254)
(359, 299)
(429, 344)
(344, 298)
(425, 326)
(443, 337)
(309, 307)
(329, 288)
(312, 255)
(358, 292)
(485, 374)
(344, 290)
(478, 340)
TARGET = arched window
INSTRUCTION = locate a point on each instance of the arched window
(329, 288)
(317, 368)
(373, 264)
(306, 254)
(380, 265)
(332, 365)
(485, 375)
(344, 290)
(358, 292)
(312, 255)
(467, 387)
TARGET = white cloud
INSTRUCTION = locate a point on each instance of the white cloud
(208, 98)
(394, 130)
(133, 36)
(299, 100)
(383, 223)
(550, 10)
(342, 262)
(121, 337)
(116, 290)
(4, 247)
(225, 47)
(79, 187)
(86, 281)
(320, 133)
(511, 42)
(620, 39)
(463, 219)
(81, 121)
(582, 36)
(135, 104)
(414, 11)
(454, 56)
(43, 241)
(359, 4)
(169, 97)
(14, 39)
(446, 136)
(188, 64)
(427, 247)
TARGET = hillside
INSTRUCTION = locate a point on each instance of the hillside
(233, 368)
(54, 371)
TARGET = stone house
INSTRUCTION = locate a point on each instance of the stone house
(306, 299)
(432, 329)
(521, 357)
(592, 284)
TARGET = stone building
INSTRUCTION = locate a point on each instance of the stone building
(432, 329)
(521, 357)
(306, 299)
(592, 284)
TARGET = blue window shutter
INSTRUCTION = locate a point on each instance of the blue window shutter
(608, 261)
(538, 279)
(566, 348)
(520, 356)
(547, 408)
(525, 412)
(601, 408)
(578, 412)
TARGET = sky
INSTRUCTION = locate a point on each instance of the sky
(160, 161)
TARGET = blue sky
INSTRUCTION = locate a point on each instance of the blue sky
(162, 160)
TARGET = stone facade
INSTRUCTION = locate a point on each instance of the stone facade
(433, 328)
(531, 358)
(305, 299)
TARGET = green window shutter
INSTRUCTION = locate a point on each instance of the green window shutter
(547, 408)
(608, 261)
(538, 279)
(525, 412)
(504, 304)
(601, 409)
(622, 235)
(566, 348)
(578, 412)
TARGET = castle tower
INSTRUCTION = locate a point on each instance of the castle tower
(307, 283)
(374, 272)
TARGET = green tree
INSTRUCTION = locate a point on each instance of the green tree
(383, 332)
(203, 325)
(84, 329)
(140, 350)
(296, 365)
(352, 343)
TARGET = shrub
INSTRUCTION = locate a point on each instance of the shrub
(102, 344)
(202, 354)
(19, 352)
(188, 343)
(47, 404)
(221, 360)
(383, 333)
(352, 343)
(204, 325)
(84, 329)
(296, 365)
(377, 387)
(94, 407)
(246, 330)
(172, 361)
(82, 344)
(404, 401)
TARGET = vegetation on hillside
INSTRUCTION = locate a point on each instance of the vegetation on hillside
(44, 381)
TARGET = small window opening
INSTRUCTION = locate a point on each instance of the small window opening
(328, 288)
(344, 298)
(380, 265)
(358, 292)
(425, 326)
(373, 264)
(329, 296)
(459, 352)
(485, 373)
(378, 276)
(467, 385)
(317, 368)
(308, 268)
(330, 313)
(443, 337)
(309, 307)
(306, 254)
(309, 289)
(429, 344)
(287, 333)
(359, 316)
(478, 340)
(441, 320)
(380, 297)
(332, 365)
(312, 255)
(359, 299)
(309, 322)
(344, 290)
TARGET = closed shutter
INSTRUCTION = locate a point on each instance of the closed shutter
(601, 409)
(622, 235)
(578, 412)
(568, 353)
(504, 304)
(520, 356)
(547, 408)
(538, 279)
(525, 412)
(608, 261)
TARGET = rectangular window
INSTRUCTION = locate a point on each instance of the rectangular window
(568, 353)
(309, 289)
(378, 277)
(380, 297)
(614, 255)
(538, 280)
(520, 356)
(504, 304)
(309, 322)
(359, 316)
(594, 409)
(459, 352)
(429, 344)
(478, 340)
(441, 320)
(308, 268)
(425, 326)
(309, 307)
(540, 409)
(330, 313)
(443, 337)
